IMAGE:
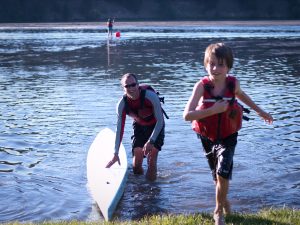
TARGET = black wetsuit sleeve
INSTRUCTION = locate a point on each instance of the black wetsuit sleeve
(121, 115)
(153, 98)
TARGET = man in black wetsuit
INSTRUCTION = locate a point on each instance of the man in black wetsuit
(148, 125)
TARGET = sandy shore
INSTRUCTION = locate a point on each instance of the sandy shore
(102, 24)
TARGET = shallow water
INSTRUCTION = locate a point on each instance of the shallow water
(59, 87)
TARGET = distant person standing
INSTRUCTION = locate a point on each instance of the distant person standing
(110, 23)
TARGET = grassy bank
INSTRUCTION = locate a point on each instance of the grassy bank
(264, 217)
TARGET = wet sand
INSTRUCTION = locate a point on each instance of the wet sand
(102, 24)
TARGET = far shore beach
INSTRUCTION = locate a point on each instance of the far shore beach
(96, 25)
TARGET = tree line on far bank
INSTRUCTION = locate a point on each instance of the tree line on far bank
(97, 10)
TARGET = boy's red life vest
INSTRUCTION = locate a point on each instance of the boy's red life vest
(219, 126)
(141, 110)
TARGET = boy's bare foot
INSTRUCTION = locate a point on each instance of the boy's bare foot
(227, 208)
(219, 219)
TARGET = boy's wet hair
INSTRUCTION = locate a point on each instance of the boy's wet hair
(221, 51)
(125, 76)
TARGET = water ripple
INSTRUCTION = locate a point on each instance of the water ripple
(60, 87)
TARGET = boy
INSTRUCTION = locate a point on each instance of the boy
(217, 118)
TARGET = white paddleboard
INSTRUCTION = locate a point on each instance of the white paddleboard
(106, 184)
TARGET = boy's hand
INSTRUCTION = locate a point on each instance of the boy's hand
(220, 106)
(266, 116)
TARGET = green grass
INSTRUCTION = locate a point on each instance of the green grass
(283, 216)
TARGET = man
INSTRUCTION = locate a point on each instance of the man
(148, 125)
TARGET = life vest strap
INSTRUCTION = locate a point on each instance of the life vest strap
(230, 100)
(216, 99)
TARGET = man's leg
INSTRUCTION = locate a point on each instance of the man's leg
(137, 161)
(152, 164)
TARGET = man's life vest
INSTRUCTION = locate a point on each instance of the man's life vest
(219, 126)
(144, 113)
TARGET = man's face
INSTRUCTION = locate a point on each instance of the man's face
(131, 87)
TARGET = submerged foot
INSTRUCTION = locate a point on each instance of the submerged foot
(138, 170)
(152, 165)
(151, 174)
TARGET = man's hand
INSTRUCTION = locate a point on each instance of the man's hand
(147, 148)
(112, 162)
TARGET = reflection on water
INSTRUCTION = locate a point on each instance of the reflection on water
(60, 87)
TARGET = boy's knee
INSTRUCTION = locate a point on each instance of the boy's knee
(222, 180)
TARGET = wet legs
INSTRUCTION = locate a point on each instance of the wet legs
(137, 163)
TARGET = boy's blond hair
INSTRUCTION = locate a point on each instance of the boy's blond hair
(221, 51)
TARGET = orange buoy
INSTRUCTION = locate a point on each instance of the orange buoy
(118, 34)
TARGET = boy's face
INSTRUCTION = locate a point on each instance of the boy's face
(217, 68)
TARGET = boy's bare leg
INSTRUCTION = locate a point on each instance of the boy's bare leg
(221, 199)
(137, 161)
(152, 165)
(227, 207)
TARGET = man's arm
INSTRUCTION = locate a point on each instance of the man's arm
(119, 132)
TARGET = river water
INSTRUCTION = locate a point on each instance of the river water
(59, 87)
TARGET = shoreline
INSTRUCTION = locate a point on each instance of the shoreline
(271, 215)
(102, 24)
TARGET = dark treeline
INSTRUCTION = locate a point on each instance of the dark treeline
(96, 10)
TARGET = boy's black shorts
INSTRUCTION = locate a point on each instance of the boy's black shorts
(141, 135)
(220, 155)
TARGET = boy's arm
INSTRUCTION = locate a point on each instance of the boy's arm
(241, 95)
(190, 113)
